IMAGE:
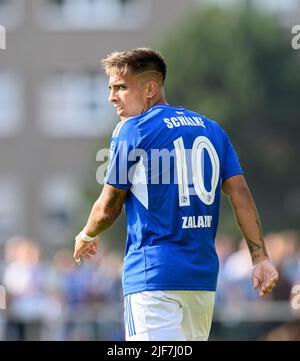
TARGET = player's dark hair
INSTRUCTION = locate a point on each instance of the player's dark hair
(139, 60)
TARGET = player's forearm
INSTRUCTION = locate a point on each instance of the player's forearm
(100, 219)
(248, 219)
(105, 210)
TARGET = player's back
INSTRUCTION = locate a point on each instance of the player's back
(173, 204)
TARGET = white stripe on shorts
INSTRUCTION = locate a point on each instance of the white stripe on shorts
(129, 321)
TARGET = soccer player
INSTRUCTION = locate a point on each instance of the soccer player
(168, 165)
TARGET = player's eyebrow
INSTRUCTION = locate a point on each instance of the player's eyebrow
(117, 84)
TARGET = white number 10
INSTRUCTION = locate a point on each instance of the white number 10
(199, 145)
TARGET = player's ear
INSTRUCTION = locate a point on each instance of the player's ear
(151, 89)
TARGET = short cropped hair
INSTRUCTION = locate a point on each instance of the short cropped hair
(139, 60)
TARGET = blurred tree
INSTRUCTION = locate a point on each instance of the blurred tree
(237, 66)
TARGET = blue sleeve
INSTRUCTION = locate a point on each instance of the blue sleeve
(124, 142)
(231, 165)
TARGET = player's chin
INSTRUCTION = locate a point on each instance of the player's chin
(121, 112)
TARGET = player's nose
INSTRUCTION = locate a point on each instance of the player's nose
(112, 96)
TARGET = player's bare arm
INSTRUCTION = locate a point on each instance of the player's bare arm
(264, 273)
(104, 212)
(246, 215)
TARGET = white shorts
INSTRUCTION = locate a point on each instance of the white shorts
(168, 315)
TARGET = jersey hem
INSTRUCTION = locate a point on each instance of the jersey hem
(120, 186)
(169, 288)
(232, 175)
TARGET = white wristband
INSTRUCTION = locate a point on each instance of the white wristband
(85, 237)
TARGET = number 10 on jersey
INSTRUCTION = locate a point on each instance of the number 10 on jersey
(200, 143)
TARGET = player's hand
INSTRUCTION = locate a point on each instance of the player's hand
(264, 277)
(84, 249)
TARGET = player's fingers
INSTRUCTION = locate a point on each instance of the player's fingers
(77, 259)
(77, 253)
(88, 253)
(275, 278)
(270, 284)
(267, 288)
(255, 282)
(92, 250)
(264, 293)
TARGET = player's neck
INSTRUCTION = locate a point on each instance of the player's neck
(149, 105)
(159, 100)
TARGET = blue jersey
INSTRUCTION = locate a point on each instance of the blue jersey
(173, 162)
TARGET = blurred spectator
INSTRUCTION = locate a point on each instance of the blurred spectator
(282, 247)
(235, 291)
(235, 277)
(23, 278)
(225, 246)
(90, 293)
(235, 283)
(57, 300)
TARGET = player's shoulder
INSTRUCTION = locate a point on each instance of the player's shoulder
(125, 128)
(178, 111)
(156, 111)
(131, 127)
(146, 123)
